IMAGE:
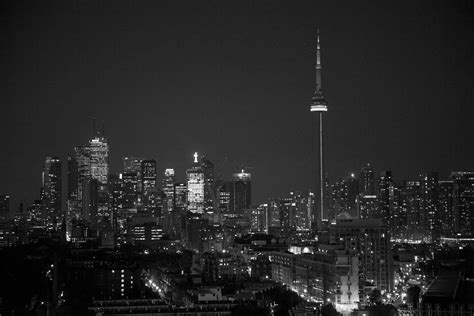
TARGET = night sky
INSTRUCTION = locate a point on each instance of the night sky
(235, 79)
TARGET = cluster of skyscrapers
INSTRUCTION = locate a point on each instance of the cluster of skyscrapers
(330, 245)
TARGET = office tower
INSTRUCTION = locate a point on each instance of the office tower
(179, 205)
(4, 207)
(445, 210)
(168, 190)
(370, 240)
(134, 165)
(209, 188)
(319, 106)
(195, 183)
(52, 186)
(130, 190)
(83, 160)
(463, 203)
(286, 208)
(148, 174)
(225, 196)
(367, 180)
(302, 210)
(168, 184)
(429, 219)
(274, 214)
(115, 185)
(385, 184)
(99, 158)
(352, 184)
(242, 192)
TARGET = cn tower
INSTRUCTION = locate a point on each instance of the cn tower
(319, 106)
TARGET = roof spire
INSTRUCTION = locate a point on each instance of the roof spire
(318, 64)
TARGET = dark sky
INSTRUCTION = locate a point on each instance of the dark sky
(234, 79)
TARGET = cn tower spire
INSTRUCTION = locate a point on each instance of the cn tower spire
(318, 65)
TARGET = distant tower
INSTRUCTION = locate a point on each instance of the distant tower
(319, 106)
(52, 185)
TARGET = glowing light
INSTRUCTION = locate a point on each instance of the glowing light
(195, 157)
(319, 108)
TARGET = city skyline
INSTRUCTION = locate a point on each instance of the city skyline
(237, 158)
(162, 119)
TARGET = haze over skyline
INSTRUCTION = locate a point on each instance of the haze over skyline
(170, 79)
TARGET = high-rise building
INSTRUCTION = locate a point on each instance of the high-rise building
(352, 184)
(319, 106)
(242, 192)
(196, 187)
(367, 180)
(148, 174)
(209, 188)
(445, 210)
(52, 188)
(370, 240)
(130, 190)
(83, 161)
(385, 184)
(463, 202)
(134, 165)
(168, 190)
(429, 216)
(99, 158)
(412, 195)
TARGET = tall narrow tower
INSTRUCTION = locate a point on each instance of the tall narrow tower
(319, 106)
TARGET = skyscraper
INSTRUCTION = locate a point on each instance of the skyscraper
(195, 183)
(367, 181)
(99, 158)
(319, 106)
(385, 185)
(51, 198)
(242, 191)
(148, 173)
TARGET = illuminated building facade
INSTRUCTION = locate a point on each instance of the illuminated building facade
(99, 159)
(370, 240)
(148, 174)
(195, 184)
